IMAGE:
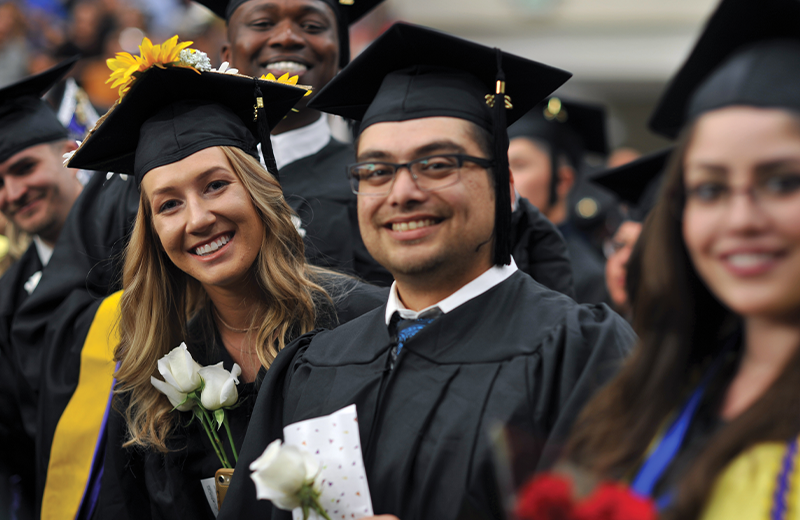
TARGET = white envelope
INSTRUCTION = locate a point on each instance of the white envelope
(334, 440)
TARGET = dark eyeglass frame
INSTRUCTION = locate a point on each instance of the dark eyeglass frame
(460, 160)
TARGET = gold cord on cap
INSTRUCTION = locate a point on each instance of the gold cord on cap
(347, 2)
(259, 104)
(490, 101)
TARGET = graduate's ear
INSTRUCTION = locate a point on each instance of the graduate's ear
(225, 52)
(566, 180)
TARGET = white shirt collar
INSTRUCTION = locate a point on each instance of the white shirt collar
(478, 286)
(293, 145)
(43, 250)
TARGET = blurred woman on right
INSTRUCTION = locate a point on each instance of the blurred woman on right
(705, 416)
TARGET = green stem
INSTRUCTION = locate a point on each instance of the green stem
(201, 416)
(215, 439)
(320, 511)
(309, 498)
(230, 439)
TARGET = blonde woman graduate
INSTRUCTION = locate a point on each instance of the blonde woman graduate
(705, 417)
(215, 282)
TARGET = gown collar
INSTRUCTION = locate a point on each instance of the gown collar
(494, 276)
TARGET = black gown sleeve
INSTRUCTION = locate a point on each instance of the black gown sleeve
(539, 249)
(123, 496)
(583, 356)
(266, 425)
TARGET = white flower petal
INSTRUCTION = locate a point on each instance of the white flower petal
(180, 370)
(279, 474)
(219, 389)
(175, 397)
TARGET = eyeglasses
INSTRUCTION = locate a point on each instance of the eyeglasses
(768, 194)
(430, 173)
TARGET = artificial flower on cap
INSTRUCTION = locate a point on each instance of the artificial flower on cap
(412, 72)
(173, 108)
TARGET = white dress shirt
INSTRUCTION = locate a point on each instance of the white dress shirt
(476, 287)
(293, 145)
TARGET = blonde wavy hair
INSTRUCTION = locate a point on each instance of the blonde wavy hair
(159, 300)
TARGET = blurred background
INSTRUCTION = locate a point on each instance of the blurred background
(620, 51)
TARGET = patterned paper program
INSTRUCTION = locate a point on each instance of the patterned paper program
(335, 441)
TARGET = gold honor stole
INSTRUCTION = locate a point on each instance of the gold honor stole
(762, 483)
(73, 452)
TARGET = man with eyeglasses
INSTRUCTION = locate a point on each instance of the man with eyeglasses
(465, 341)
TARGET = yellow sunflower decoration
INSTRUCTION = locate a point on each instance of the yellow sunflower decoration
(125, 67)
(285, 79)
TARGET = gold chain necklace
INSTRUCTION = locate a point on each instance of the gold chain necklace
(234, 329)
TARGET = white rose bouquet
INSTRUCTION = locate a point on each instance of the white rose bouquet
(207, 392)
(286, 476)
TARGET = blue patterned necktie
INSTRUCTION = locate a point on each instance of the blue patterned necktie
(404, 330)
(407, 329)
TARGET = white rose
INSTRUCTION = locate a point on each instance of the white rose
(280, 473)
(175, 396)
(180, 370)
(181, 376)
(220, 386)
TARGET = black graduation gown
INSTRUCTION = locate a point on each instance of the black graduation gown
(317, 189)
(587, 266)
(519, 354)
(17, 402)
(539, 250)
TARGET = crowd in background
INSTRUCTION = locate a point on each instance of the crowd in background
(37, 34)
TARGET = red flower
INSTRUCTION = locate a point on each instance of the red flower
(546, 497)
(612, 501)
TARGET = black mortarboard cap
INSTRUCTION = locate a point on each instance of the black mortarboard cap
(169, 114)
(637, 182)
(748, 54)
(572, 127)
(412, 72)
(27, 120)
(347, 12)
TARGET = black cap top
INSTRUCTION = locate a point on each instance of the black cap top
(412, 72)
(738, 60)
(435, 74)
(171, 113)
(25, 119)
(570, 127)
(347, 12)
(637, 182)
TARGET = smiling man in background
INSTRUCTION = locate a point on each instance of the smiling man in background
(36, 195)
(308, 39)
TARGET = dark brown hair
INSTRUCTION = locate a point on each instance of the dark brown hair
(681, 326)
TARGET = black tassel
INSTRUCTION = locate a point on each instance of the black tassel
(263, 133)
(502, 222)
